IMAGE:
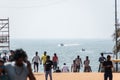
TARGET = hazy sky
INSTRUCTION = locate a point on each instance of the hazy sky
(60, 18)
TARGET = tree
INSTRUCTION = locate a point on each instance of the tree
(116, 37)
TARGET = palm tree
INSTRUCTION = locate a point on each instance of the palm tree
(116, 36)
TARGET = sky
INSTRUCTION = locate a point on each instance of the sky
(60, 19)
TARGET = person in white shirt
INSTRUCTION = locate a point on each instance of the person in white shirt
(65, 68)
(36, 60)
(20, 69)
(101, 60)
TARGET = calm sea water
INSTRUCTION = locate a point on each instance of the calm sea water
(68, 52)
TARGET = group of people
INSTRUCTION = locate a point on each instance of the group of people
(106, 66)
(48, 64)
(36, 60)
(75, 67)
(17, 66)
(77, 64)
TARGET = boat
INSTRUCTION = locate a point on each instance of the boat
(61, 44)
(83, 49)
(107, 52)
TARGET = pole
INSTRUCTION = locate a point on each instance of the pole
(116, 33)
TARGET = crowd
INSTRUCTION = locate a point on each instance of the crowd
(17, 66)
(75, 66)
(104, 66)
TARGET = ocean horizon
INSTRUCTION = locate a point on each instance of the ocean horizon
(66, 53)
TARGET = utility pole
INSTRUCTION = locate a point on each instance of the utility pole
(116, 23)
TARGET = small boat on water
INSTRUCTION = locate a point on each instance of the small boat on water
(107, 52)
(83, 49)
(61, 44)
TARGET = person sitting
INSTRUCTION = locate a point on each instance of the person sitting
(65, 68)
(58, 70)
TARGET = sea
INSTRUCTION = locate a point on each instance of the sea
(67, 52)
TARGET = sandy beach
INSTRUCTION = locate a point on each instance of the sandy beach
(77, 76)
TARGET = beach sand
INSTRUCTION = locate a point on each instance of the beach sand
(77, 76)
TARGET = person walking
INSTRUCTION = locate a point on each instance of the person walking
(43, 59)
(36, 60)
(55, 61)
(101, 60)
(108, 65)
(48, 68)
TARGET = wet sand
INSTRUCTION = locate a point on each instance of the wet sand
(76, 76)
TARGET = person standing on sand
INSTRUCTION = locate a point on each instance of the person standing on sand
(48, 68)
(101, 60)
(74, 67)
(55, 61)
(43, 59)
(36, 60)
(78, 61)
(87, 67)
(108, 65)
(20, 69)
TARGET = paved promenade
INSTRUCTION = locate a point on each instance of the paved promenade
(77, 76)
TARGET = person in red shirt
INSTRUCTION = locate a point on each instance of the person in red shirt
(55, 61)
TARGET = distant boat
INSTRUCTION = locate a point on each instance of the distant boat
(61, 44)
(107, 52)
(83, 49)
